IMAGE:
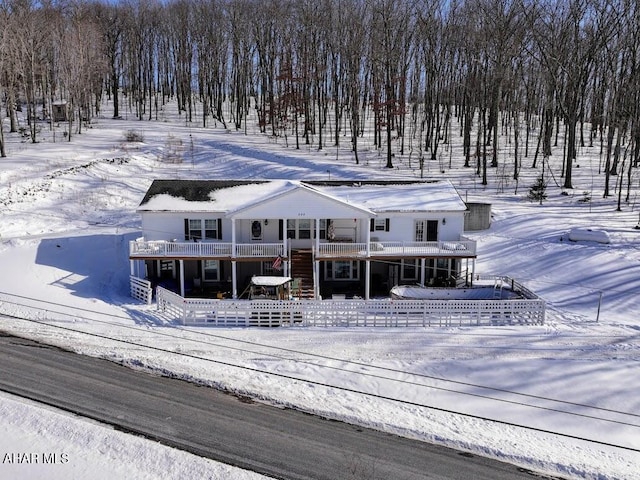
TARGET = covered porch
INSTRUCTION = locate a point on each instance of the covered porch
(365, 269)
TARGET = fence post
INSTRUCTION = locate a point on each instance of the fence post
(599, 304)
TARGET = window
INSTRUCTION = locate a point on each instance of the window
(342, 270)
(166, 269)
(304, 229)
(379, 225)
(323, 228)
(291, 229)
(211, 229)
(267, 269)
(443, 267)
(300, 229)
(197, 229)
(409, 270)
(211, 270)
(426, 231)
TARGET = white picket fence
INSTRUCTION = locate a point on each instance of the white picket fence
(140, 289)
(350, 313)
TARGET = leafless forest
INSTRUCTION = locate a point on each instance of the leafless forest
(549, 75)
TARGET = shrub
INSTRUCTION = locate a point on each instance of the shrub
(133, 136)
(537, 191)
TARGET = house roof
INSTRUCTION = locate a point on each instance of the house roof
(229, 196)
(394, 196)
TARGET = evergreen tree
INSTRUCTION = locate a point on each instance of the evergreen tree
(537, 191)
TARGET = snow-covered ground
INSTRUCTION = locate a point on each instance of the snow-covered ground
(67, 211)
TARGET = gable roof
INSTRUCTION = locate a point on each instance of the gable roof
(237, 197)
(299, 202)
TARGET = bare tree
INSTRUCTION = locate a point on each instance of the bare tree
(111, 19)
(242, 56)
(82, 64)
(569, 36)
(391, 49)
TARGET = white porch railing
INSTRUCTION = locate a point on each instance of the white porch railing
(160, 248)
(259, 250)
(350, 313)
(457, 248)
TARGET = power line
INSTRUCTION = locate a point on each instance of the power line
(345, 389)
(360, 373)
(361, 364)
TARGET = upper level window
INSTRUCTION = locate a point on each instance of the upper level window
(300, 229)
(379, 225)
(304, 228)
(211, 228)
(197, 228)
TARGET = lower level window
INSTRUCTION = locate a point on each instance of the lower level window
(166, 269)
(342, 270)
(211, 270)
(267, 269)
(409, 269)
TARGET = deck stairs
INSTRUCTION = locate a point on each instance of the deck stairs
(302, 273)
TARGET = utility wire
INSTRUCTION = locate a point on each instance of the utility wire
(367, 374)
(366, 365)
(345, 389)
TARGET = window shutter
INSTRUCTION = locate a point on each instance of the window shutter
(372, 225)
(280, 226)
(219, 229)
(386, 224)
(186, 229)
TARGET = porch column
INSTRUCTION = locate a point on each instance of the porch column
(368, 237)
(316, 263)
(132, 268)
(233, 238)
(234, 284)
(367, 279)
(285, 252)
(466, 271)
(422, 271)
(181, 263)
(473, 270)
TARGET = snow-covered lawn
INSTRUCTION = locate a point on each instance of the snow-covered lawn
(67, 211)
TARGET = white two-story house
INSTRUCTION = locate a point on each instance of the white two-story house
(353, 238)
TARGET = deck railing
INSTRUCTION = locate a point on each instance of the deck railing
(159, 248)
(351, 313)
(453, 248)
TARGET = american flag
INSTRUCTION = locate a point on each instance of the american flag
(277, 263)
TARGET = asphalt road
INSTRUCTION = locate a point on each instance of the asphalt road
(281, 443)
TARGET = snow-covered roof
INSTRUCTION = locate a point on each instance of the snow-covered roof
(400, 197)
(231, 195)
